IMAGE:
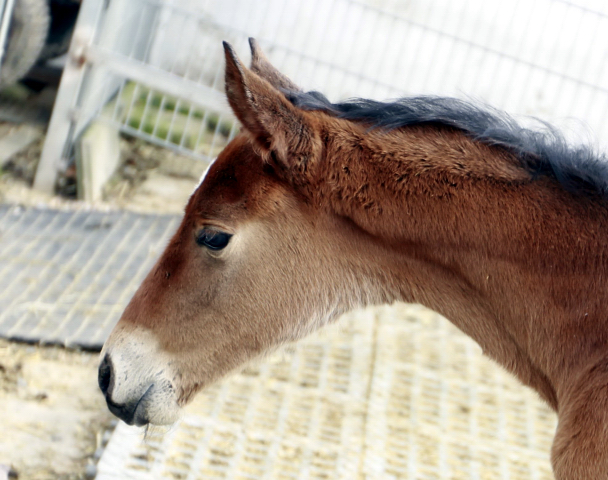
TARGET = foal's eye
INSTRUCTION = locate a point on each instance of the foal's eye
(213, 239)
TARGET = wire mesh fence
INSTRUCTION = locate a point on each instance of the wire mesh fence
(154, 68)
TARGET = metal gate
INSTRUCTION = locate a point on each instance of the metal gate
(154, 68)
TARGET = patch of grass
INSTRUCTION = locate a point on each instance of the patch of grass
(152, 99)
(156, 100)
(148, 128)
(176, 138)
(162, 131)
(169, 118)
(134, 122)
(225, 126)
(170, 103)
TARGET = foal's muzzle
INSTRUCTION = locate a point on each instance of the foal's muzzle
(127, 412)
(138, 379)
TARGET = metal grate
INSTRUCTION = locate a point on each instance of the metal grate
(154, 68)
(66, 276)
(388, 393)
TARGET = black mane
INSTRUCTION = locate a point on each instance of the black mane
(546, 152)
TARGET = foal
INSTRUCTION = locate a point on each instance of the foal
(316, 209)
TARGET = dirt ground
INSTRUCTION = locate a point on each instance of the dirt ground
(53, 419)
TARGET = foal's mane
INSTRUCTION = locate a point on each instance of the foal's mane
(543, 152)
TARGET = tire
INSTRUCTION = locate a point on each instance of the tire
(28, 30)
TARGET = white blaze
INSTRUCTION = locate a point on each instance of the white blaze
(200, 182)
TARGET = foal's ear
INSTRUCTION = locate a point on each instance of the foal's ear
(282, 131)
(261, 66)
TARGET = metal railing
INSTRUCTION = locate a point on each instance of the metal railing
(154, 68)
(6, 11)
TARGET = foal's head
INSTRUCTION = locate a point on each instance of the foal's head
(255, 262)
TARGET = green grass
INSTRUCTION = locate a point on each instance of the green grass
(224, 128)
(169, 118)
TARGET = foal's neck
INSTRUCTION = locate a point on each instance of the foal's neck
(517, 263)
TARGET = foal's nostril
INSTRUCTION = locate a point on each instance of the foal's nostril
(104, 376)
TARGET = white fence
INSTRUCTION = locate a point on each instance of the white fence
(154, 68)
(6, 10)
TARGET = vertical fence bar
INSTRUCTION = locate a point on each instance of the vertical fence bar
(60, 132)
(6, 13)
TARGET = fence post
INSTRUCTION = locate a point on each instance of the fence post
(64, 117)
(97, 156)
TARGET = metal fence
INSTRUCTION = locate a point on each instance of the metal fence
(6, 12)
(154, 68)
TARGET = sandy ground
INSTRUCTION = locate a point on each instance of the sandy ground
(53, 416)
(53, 419)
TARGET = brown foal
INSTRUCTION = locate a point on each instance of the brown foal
(319, 208)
